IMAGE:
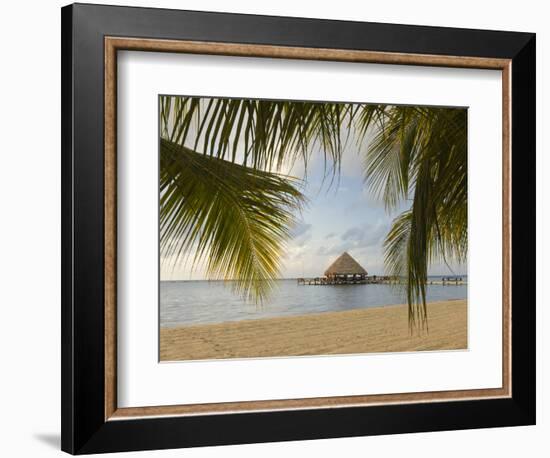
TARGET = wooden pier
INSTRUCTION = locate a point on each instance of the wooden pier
(350, 280)
(347, 271)
(450, 281)
(374, 280)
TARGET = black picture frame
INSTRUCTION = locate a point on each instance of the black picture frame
(84, 429)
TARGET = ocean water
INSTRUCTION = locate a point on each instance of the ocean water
(208, 302)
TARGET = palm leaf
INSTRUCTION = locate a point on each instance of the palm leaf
(234, 218)
(262, 134)
(421, 153)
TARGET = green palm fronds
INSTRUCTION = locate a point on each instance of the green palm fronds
(261, 134)
(420, 154)
(234, 218)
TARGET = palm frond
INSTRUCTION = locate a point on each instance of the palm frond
(262, 134)
(420, 153)
(234, 218)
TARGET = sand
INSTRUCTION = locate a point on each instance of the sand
(379, 329)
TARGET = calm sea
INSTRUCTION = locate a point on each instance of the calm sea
(202, 302)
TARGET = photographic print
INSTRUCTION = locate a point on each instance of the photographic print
(303, 228)
(268, 227)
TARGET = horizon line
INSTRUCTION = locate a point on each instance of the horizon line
(296, 278)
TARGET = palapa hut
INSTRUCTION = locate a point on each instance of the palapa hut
(346, 270)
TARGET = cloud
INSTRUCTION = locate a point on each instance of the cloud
(301, 234)
(300, 229)
(354, 234)
(321, 251)
(366, 235)
(336, 249)
(330, 235)
(357, 239)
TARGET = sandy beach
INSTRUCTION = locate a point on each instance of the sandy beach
(378, 329)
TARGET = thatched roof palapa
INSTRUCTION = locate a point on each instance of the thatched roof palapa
(345, 265)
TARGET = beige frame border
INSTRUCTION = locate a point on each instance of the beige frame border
(112, 45)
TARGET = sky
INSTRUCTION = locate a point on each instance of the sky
(342, 215)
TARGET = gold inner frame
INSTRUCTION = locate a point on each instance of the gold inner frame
(114, 44)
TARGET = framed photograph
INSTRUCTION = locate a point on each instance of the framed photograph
(281, 228)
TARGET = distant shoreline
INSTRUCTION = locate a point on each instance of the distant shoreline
(293, 278)
(370, 330)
